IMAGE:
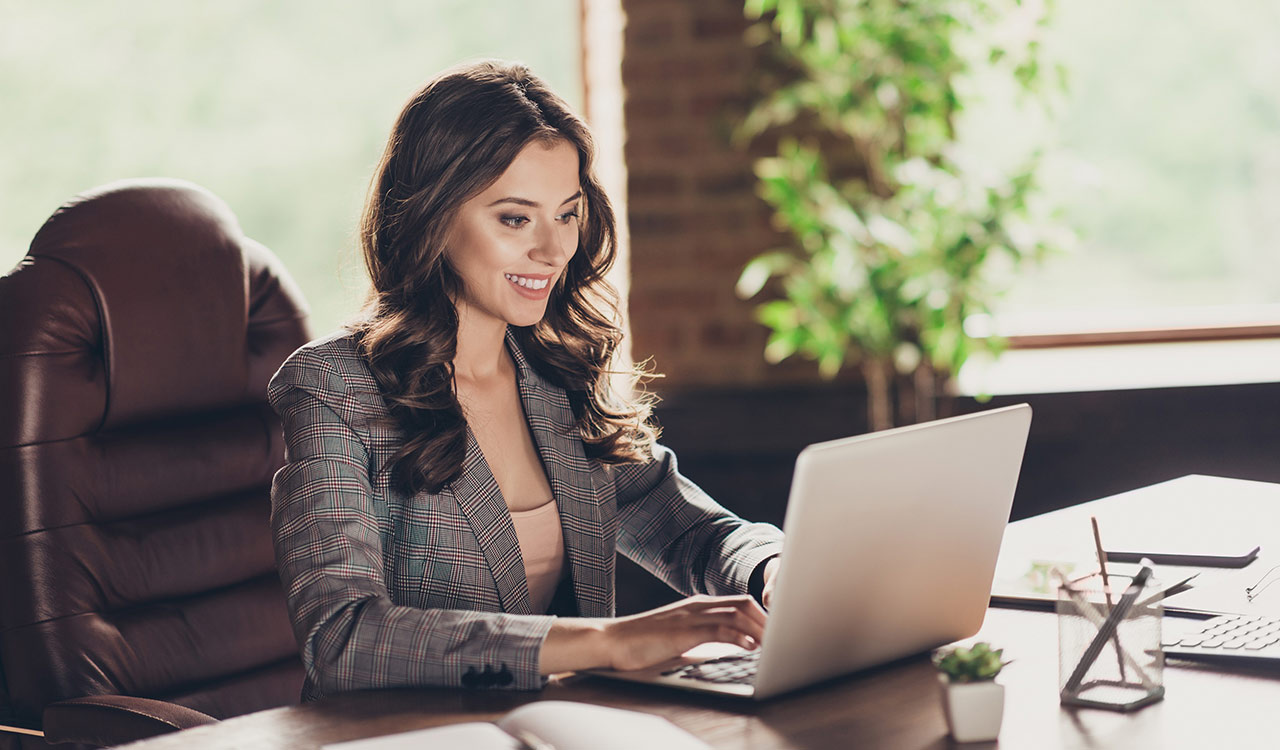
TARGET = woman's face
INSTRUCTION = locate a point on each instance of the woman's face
(511, 242)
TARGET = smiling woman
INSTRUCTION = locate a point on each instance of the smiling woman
(461, 474)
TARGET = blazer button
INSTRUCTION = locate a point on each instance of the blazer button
(471, 679)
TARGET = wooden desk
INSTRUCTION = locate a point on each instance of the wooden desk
(892, 707)
(896, 706)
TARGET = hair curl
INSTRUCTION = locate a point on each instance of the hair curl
(453, 139)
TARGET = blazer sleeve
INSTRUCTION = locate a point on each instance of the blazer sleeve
(673, 529)
(329, 550)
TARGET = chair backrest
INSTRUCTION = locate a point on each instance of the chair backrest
(136, 453)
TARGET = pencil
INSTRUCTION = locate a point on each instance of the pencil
(1102, 559)
(1106, 585)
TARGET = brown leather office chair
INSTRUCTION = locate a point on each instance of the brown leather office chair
(136, 452)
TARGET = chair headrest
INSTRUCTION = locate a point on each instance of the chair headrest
(175, 284)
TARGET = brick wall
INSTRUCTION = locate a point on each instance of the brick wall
(694, 217)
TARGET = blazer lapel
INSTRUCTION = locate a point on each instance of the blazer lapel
(482, 503)
(590, 543)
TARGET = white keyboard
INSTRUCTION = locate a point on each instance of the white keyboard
(1230, 638)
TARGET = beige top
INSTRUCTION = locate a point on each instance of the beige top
(542, 547)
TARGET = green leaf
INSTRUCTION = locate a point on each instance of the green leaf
(829, 362)
(759, 270)
(757, 8)
(790, 22)
(780, 315)
(783, 344)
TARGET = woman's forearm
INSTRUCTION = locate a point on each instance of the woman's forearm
(574, 643)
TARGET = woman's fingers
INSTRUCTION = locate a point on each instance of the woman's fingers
(738, 621)
(726, 634)
(745, 604)
(655, 636)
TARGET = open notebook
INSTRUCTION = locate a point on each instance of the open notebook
(563, 725)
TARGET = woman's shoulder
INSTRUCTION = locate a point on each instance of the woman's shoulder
(330, 363)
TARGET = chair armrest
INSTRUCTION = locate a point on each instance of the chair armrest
(106, 720)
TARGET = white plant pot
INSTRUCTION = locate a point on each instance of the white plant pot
(973, 709)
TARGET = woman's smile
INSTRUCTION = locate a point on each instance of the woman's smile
(531, 286)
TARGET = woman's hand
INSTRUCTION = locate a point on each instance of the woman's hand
(652, 637)
(664, 633)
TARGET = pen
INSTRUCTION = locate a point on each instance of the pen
(1176, 588)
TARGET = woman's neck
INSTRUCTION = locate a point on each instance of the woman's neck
(481, 352)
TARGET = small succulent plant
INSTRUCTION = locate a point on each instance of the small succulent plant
(974, 664)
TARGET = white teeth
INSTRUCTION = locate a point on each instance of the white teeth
(527, 283)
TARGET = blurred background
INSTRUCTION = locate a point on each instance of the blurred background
(282, 108)
(1146, 336)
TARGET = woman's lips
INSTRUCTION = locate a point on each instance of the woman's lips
(530, 286)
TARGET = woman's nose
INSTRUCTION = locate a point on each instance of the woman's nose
(554, 244)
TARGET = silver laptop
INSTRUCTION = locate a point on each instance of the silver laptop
(891, 547)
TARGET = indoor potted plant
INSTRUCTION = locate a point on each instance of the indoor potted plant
(898, 233)
(972, 700)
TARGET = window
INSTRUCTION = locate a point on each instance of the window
(280, 108)
(1165, 158)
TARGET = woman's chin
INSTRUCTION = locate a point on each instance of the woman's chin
(525, 318)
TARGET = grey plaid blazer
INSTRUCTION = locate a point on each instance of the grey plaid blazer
(386, 590)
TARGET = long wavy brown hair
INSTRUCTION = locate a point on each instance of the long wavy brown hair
(453, 139)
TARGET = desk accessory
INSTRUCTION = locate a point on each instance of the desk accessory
(1087, 628)
(972, 701)
(1254, 591)
(1188, 560)
(1228, 640)
(1177, 588)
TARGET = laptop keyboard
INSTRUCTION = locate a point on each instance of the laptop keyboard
(1230, 637)
(736, 669)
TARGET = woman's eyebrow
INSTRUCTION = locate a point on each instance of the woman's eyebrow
(532, 204)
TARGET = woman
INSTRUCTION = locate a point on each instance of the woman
(459, 474)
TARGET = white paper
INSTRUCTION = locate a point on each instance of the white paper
(472, 735)
(565, 725)
(568, 725)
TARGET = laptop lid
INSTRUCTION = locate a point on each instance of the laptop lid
(892, 539)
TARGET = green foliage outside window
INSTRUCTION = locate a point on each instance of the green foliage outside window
(897, 236)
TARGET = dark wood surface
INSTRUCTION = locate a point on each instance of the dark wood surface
(892, 707)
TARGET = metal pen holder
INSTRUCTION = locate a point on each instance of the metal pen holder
(1109, 652)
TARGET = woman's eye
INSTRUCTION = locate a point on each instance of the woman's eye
(568, 216)
(515, 222)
